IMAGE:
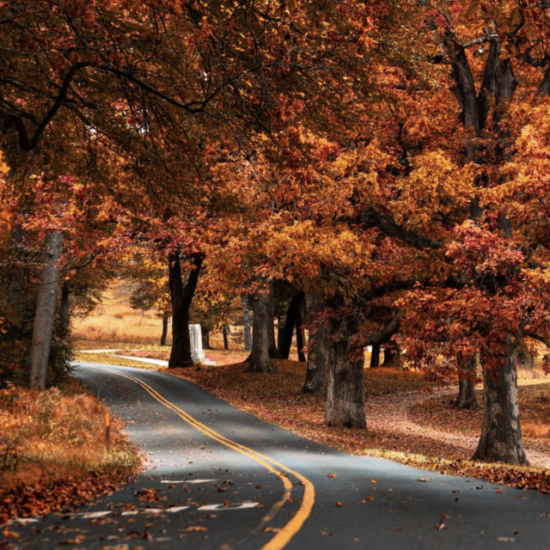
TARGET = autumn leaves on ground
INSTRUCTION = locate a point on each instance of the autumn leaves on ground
(52, 451)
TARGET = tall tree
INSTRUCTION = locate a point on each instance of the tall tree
(182, 296)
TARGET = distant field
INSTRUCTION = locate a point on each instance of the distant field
(115, 321)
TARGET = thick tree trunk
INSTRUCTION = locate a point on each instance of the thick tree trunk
(164, 334)
(247, 333)
(466, 383)
(501, 439)
(225, 338)
(259, 359)
(375, 356)
(181, 296)
(317, 358)
(290, 322)
(45, 311)
(345, 392)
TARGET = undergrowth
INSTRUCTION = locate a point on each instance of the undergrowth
(57, 437)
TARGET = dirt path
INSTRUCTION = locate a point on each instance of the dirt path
(396, 420)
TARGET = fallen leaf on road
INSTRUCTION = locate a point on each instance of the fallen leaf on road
(424, 479)
(338, 505)
(192, 528)
(325, 533)
(332, 475)
(10, 534)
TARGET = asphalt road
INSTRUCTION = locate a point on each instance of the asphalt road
(224, 480)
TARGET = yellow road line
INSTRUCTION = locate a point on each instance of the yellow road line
(283, 537)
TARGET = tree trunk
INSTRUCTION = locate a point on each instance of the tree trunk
(273, 350)
(466, 383)
(500, 439)
(65, 311)
(292, 315)
(181, 296)
(246, 325)
(259, 359)
(345, 392)
(45, 311)
(280, 331)
(316, 382)
(300, 344)
(206, 340)
(391, 354)
(375, 356)
(164, 335)
(225, 338)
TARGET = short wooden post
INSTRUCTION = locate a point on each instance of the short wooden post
(107, 430)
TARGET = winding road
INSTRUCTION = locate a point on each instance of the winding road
(219, 478)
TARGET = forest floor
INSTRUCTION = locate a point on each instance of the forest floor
(52, 451)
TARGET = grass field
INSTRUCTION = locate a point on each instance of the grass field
(115, 321)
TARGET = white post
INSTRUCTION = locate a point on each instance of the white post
(195, 335)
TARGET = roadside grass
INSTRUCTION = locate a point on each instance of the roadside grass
(107, 359)
(440, 414)
(52, 451)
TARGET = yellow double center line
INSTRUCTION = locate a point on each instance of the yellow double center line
(282, 538)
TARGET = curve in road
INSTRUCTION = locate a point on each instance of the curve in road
(219, 478)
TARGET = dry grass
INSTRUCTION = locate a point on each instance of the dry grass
(56, 438)
(115, 321)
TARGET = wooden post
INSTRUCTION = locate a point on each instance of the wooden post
(107, 431)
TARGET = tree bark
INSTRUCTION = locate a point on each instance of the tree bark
(316, 382)
(181, 296)
(292, 315)
(164, 334)
(225, 338)
(247, 334)
(375, 356)
(259, 359)
(345, 391)
(45, 311)
(466, 383)
(500, 439)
